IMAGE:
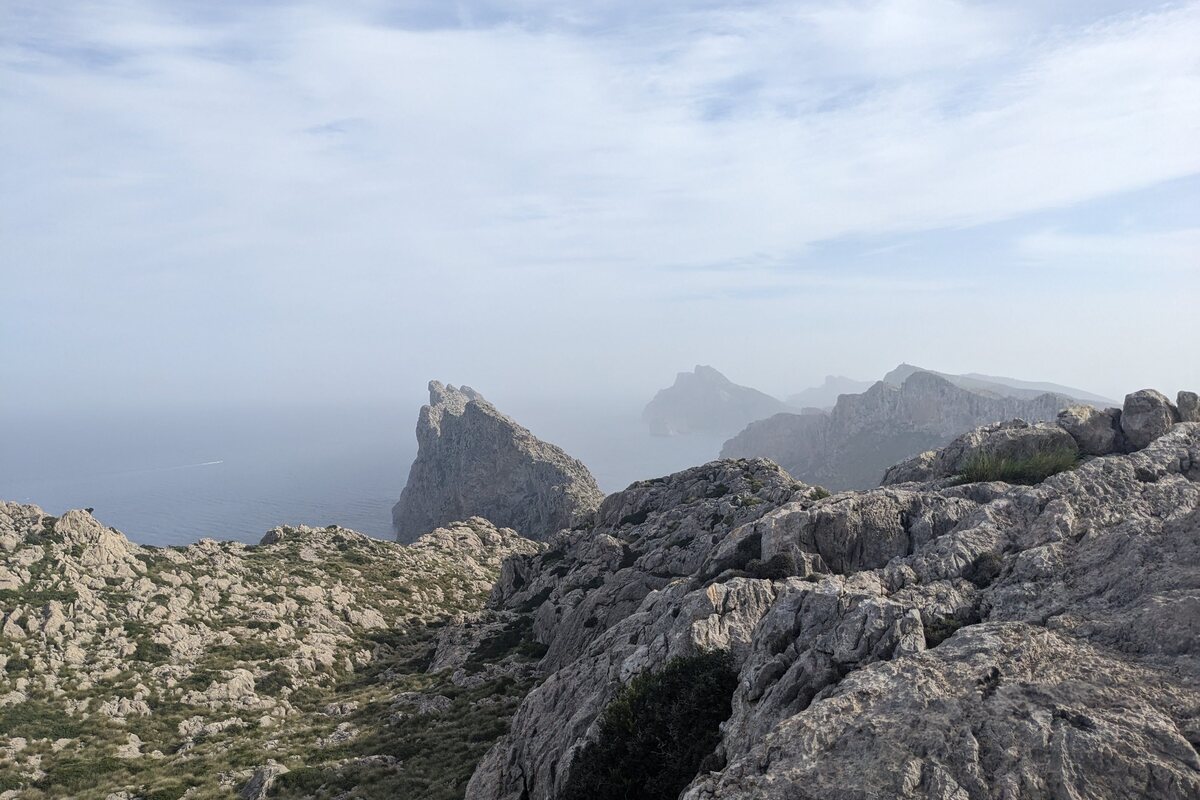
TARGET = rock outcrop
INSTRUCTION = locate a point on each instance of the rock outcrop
(474, 461)
(864, 434)
(935, 639)
(705, 401)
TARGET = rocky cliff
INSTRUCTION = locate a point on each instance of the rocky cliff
(474, 461)
(297, 667)
(932, 639)
(705, 401)
(852, 445)
(999, 386)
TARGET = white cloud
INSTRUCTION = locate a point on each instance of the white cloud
(319, 159)
(1172, 253)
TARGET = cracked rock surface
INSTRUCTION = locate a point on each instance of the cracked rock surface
(922, 640)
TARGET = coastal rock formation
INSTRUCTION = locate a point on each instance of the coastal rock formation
(474, 461)
(851, 446)
(1001, 387)
(936, 639)
(826, 395)
(705, 401)
(132, 671)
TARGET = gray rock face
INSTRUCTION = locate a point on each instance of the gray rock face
(1147, 414)
(851, 446)
(933, 640)
(1098, 432)
(638, 541)
(1188, 404)
(474, 461)
(705, 401)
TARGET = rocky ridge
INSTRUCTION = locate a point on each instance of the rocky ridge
(474, 461)
(864, 434)
(928, 639)
(136, 672)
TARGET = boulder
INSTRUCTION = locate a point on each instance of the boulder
(1096, 431)
(1188, 404)
(1146, 416)
(260, 783)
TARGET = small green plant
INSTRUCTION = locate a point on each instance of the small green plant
(656, 733)
(1029, 470)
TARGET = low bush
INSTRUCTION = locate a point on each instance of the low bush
(656, 733)
(1030, 470)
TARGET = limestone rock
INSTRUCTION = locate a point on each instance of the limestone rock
(1188, 404)
(936, 640)
(108, 641)
(1000, 710)
(705, 401)
(474, 461)
(260, 783)
(638, 541)
(1097, 432)
(1147, 414)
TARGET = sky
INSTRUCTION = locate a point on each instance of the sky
(266, 203)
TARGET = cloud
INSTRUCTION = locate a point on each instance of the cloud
(261, 163)
(1173, 253)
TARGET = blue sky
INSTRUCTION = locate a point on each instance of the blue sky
(272, 202)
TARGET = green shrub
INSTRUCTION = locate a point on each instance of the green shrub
(656, 733)
(38, 719)
(1030, 470)
(78, 773)
(152, 652)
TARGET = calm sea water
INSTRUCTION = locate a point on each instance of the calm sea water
(174, 478)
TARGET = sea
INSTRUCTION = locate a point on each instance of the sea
(174, 477)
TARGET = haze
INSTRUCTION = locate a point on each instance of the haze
(264, 204)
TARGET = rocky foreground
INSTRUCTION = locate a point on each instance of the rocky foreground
(297, 668)
(930, 639)
(723, 632)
